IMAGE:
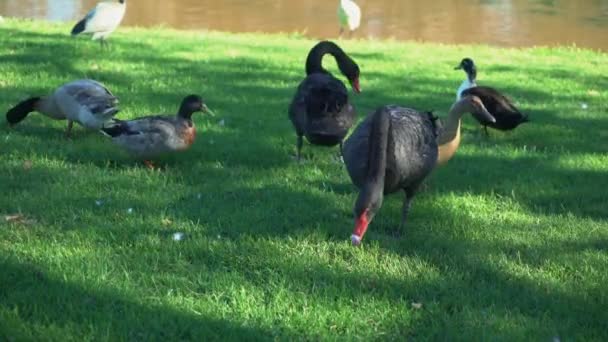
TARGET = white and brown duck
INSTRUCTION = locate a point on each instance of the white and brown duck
(152, 136)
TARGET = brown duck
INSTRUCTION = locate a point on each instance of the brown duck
(150, 136)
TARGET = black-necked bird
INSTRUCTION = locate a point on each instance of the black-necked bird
(87, 102)
(102, 20)
(396, 148)
(321, 110)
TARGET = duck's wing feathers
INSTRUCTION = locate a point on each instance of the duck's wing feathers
(149, 135)
(492, 99)
(88, 102)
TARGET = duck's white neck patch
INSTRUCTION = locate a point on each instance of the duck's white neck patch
(466, 84)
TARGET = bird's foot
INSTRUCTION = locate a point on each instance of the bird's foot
(149, 164)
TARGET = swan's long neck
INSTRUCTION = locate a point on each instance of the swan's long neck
(372, 192)
(449, 138)
(314, 61)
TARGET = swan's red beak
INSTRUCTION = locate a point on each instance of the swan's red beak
(360, 228)
(355, 84)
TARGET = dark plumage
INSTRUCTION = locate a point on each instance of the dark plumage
(79, 27)
(502, 109)
(393, 149)
(506, 114)
(320, 109)
(21, 110)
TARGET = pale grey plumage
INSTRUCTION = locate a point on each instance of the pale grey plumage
(86, 102)
(102, 20)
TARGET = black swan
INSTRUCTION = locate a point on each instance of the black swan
(320, 109)
(506, 114)
(394, 149)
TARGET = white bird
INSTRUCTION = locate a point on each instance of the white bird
(87, 102)
(102, 20)
(349, 15)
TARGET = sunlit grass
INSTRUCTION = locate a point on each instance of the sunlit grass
(508, 242)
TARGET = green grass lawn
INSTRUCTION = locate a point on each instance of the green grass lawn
(508, 242)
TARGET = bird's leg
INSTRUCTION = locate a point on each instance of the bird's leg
(299, 143)
(407, 203)
(149, 164)
(341, 149)
(350, 34)
(485, 128)
(68, 131)
(341, 31)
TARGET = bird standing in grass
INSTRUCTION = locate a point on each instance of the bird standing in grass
(87, 102)
(507, 116)
(396, 148)
(102, 20)
(349, 15)
(151, 136)
(320, 109)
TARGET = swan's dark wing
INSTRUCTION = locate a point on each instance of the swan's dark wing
(321, 111)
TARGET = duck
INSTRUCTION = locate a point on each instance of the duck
(320, 109)
(394, 149)
(87, 102)
(349, 16)
(102, 20)
(507, 116)
(151, 136)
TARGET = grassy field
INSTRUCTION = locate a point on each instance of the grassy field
(508, 242)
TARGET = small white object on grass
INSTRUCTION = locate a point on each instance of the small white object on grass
(584, 105)
(355, 240)
(222, 122)
(199, 196)
(130, 210)
(179, 236)
(98, 202)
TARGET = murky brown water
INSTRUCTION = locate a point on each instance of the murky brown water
(496, 22)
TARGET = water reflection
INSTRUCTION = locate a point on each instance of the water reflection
(497, 22)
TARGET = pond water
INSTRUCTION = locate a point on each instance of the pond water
(495, 22)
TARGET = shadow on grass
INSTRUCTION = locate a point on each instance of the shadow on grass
(539, 184)
(62, 305)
